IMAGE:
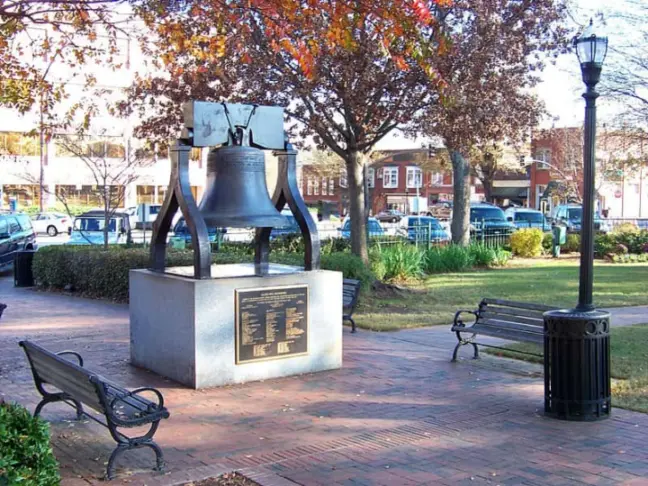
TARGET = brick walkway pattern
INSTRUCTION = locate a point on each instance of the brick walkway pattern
(398, 413)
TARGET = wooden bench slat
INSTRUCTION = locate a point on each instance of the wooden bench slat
(511, 326)
(519, 305)
(509, 311)
(511, 335)
(510, 318)
(75, 382)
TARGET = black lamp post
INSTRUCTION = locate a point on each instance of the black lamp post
(591, 51)
(577, 341)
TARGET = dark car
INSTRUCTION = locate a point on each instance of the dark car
(291, 229)
(16, 234)
(489, 220)
(570, 216)
(423, 228)
(389, 216)
(181, 232)
(527, 218)
(373, 228)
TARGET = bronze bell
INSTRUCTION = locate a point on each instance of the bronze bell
(236, 194)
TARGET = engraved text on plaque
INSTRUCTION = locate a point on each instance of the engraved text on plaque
(271, 323)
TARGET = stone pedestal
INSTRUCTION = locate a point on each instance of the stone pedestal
(184, 328)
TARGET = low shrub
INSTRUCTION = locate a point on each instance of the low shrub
(98, 273)
(619, 242)
(527, 242)
(26, 456)
(547, 242)
(350, 265)
(629, 258)
(625, 228)
(377, 264)
(451, 258)
(482, 255)
(402, 262)
(572, 245)
(604, 245)
(502, 257)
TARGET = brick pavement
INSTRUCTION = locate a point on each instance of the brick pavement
(398, 413)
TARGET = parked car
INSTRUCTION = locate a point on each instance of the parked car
(373, 227)
(291, 229)
(527, 218)
(88, 229)
(51, 223)
(141, 214)
(389, 216)
(16, 234)
(422, 228)
(570, 216)
(489, 219)
(181, 232)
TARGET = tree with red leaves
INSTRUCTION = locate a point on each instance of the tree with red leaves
(348, 72)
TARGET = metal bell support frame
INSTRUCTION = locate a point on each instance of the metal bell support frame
(208, 124)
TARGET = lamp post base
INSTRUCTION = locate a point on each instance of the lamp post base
(577, 365)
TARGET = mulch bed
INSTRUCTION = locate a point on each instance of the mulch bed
(229, 479)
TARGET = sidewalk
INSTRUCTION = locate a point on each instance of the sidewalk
(398, 413)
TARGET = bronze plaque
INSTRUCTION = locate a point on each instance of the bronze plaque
(271, 323)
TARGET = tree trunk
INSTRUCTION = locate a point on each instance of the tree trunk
(354, 166)
(487, 184)
(461, 207)
(106, 215)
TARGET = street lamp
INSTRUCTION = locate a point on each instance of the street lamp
(591, 51)
(577, 341)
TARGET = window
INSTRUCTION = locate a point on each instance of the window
(25, 222)
(309, 187)
(414, 177)
(371, 177)
(72, 146)
(331, 186)
(3, 226)
(390, 177)
(324, 186)
(543, 158)
(343, 181)
(316, 187)
(14, 227)
(13, 143)
(437, 178)
(25, 194)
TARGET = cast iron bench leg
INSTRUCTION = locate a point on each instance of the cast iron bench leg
(58, 397)
(463, 342)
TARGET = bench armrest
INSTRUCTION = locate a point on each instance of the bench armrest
(160, 398)
(73, 353)
(151, 408)
(457, 318)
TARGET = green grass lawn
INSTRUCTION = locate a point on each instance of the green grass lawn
(435, 299)
(629, 359)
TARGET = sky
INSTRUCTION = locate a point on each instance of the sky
(561, 86)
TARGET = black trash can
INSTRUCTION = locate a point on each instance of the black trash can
(23, 276)
(577, 365)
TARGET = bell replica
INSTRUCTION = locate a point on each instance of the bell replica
(236, 194)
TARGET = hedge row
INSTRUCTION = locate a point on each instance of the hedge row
(98, 273)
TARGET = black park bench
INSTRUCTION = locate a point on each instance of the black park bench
(350, 293)
(504, 319)
(77, 386)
